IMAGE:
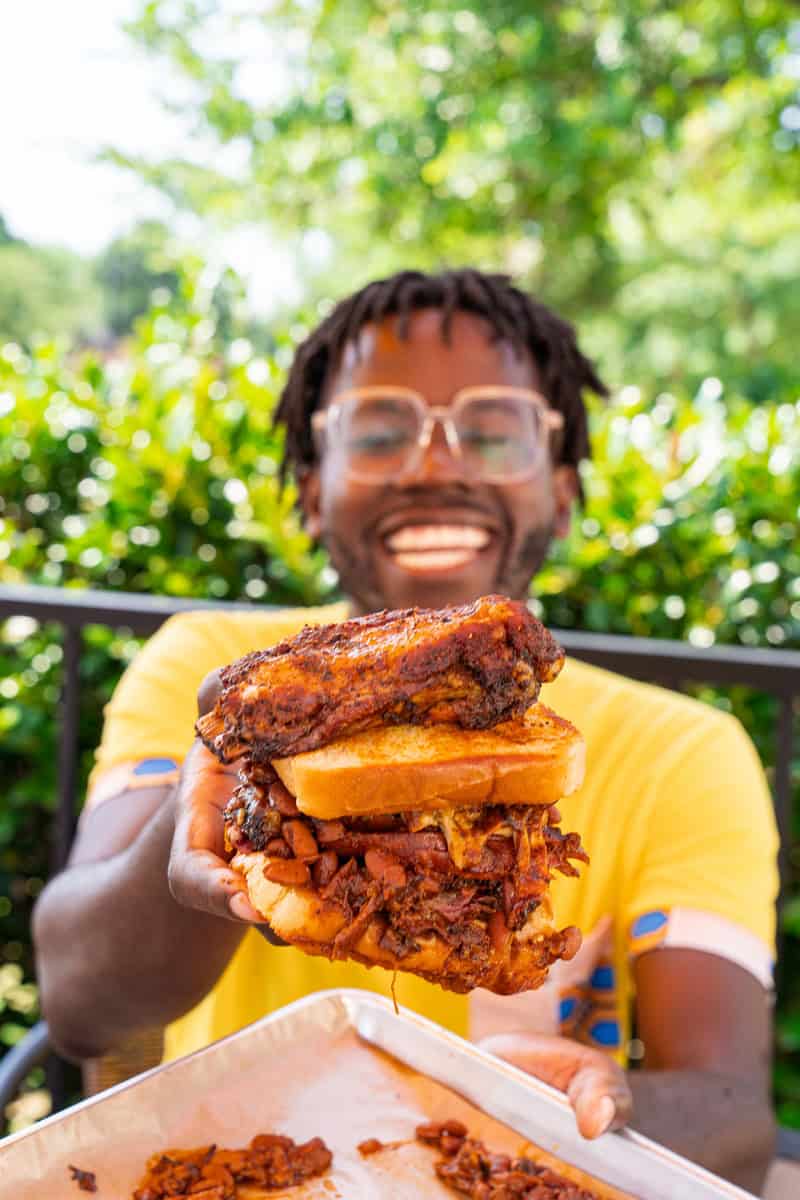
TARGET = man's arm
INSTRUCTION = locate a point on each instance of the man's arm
(115, 952)
(704, 1090)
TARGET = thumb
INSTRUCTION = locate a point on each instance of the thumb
(595, 1085)
(600, 1101)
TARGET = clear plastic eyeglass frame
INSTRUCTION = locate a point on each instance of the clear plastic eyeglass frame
(327, 424)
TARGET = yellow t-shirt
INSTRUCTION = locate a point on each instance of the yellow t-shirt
(675, 813)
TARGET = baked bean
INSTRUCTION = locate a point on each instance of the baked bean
(235, 836)
(262, 773)
(277, 848)
(300, 838)
(431, 1131)
(282, 799)
(288, 871)
(325, 868)
(329, 831)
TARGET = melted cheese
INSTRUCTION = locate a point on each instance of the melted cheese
(464, 841)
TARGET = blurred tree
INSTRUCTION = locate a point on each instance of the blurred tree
(131, 269)
(6, 235)
(45, 291)
(637, 167)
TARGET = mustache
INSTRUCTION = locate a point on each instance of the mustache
(448, 496)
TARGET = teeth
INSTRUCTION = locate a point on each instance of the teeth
(433, 560)
(416, 538)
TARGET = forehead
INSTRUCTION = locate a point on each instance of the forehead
(427, 363)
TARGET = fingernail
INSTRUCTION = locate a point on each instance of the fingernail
(241, 907)
(606, 1111)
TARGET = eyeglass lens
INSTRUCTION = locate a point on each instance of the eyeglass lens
(497, 435)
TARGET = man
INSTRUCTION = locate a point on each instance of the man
(677, 906)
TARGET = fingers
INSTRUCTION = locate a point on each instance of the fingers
(595, 1085)
(208, 692)
(551, 1059)
(198, 875)
(601, 1099)
(205, 787)
(199, 879)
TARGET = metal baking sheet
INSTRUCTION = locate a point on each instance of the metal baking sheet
(320, 1067)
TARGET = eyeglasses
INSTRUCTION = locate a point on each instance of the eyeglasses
(496, 434)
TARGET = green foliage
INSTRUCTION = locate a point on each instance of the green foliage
(635, 166)
(153, 471)
(44, 292)
(131, 269)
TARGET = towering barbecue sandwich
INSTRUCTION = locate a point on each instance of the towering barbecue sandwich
(396, 790)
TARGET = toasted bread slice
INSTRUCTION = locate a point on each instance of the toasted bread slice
(535, 759)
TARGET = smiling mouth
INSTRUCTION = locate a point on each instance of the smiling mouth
(436, 546)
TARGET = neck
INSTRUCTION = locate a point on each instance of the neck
(358, 609)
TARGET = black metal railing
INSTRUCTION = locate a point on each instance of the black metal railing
(74, 609)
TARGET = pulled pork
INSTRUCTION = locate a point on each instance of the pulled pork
(470, 876)
(469, 1168)
(270, 1162)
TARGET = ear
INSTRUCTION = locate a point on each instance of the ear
(566, 489)
(309, 488)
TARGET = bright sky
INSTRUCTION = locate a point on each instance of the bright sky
(71, 83)
(74, 83)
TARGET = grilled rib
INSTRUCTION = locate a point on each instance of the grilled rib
(473, 665)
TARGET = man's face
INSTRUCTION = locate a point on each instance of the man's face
(434, 537)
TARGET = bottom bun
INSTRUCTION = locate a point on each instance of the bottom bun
(307, 920)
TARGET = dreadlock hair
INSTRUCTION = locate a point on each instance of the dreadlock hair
(513, 316)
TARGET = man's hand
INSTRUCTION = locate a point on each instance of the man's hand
(199, 875)
(595, 1085)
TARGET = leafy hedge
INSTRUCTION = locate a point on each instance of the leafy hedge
(155, 471)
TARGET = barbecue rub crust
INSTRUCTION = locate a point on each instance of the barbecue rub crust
(471, 665)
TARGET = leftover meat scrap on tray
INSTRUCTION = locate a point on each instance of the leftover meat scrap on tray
(86, 1180)
(271, 1161)
(470, 1168)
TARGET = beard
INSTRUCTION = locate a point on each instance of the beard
(524, 561)
(356, 571)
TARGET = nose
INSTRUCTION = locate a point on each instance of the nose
(436, 462)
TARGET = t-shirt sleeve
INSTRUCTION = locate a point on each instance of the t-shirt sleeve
(706, 874)
(149, 721)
